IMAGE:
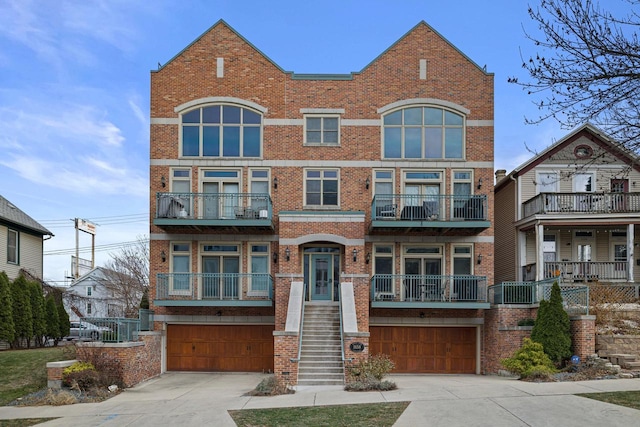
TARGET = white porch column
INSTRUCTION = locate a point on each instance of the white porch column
(630, 257)
(539, 252)
(521, 254)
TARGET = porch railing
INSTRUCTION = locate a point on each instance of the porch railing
(575, 297)
(550, 203)
(428, 288)
(435, 207)
(214, 286)
(580, 271)
(214, 206)
(110, 329)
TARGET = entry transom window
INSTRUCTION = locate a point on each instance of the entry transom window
(423, 133)
(321, 187)
(322, 130)
(221, 131)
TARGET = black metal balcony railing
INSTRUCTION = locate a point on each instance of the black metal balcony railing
(428, 288)
(551, 203)
(214, 206)
(214, 286)
(580, 271)
(429, 207)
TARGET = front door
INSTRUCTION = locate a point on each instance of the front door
(618, 201)
(321, 276)
(584, 243)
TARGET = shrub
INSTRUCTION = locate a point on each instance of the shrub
(371, 386)
(526, 322)
(530, 360)
(270, 387)
(78, 367)
(374, 367)
(552, 328)
(80, 375)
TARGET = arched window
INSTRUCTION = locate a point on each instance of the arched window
(423, 132)
(221, 131)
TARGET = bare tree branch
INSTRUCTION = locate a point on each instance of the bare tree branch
(587, 68)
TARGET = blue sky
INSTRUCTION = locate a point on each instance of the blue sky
(74, 89)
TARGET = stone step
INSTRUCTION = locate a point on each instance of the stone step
(320, 376)
(631, 365)
(320, 364)
(321, 371)
(308, 358)
(321, 382)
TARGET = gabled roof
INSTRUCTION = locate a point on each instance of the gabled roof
(95, 274)
(11, 214)
(597, 136)
(299, 76)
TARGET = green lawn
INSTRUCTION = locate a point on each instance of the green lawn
(367, 415)
(25, 371)
(630, 399)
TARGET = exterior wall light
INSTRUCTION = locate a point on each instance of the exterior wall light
(287, 254)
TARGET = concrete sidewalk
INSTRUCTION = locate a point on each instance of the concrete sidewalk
(197, 399)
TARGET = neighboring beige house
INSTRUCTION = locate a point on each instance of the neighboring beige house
(21, 241)
(570, 212)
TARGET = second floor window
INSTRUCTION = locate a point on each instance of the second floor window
(12, 247)
(221, 131)
(321, 187)
(423, 133)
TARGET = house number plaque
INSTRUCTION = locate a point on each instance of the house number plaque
(356, 347)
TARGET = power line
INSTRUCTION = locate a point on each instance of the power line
(98, 248)
(105, 220)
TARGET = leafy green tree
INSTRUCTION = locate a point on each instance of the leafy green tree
(37, 311)
(553, 328)
(63, 321)
(53, 324)
(22, 318)
(7, 329)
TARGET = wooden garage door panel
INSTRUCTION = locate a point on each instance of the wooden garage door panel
(426, 350)
(239, 348)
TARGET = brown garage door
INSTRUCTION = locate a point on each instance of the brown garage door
(426, 350)
(231, 348)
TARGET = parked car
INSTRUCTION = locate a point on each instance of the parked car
(86, 330)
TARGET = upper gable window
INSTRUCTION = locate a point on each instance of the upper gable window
(423, 133)
(221, 131)
(323, 130)
(13, 239)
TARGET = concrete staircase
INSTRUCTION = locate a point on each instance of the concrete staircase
(321, 355)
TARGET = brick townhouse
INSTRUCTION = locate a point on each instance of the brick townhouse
(303, 221)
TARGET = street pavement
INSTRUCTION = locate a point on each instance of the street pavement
(203, 399)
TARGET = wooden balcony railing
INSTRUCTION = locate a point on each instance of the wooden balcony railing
(579, 203)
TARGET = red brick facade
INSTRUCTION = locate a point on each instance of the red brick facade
(422, 70)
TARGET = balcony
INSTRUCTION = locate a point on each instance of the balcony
(428, 291)
(214, 289)
(581, 203)
(439, 213)
(580, 271)
(196, 211)
(575, 298)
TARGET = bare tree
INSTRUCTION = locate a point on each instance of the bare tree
(587, 68)
(127, 276)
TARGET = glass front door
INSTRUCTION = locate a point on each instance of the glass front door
(322, 272)
(321, 281)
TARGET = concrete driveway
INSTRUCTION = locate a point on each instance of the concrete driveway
(199, 399)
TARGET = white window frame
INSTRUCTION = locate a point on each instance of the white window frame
(469, 255)
(322, 118)
(391, 255)
(221, 126)
(173, 252)
(266, 254)
(89, 291)
(252, 180)
(322, 179)
(403, 127)
(89, 308)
